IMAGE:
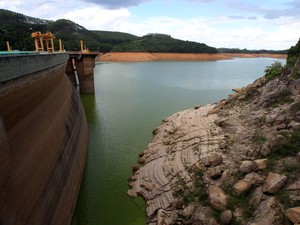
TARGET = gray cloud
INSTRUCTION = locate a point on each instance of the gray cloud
(115, 4)
(291, 10)
(240, 17)
(206, 1)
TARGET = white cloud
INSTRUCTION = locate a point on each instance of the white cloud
(97, 18)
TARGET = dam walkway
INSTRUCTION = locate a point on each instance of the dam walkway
(79, 66)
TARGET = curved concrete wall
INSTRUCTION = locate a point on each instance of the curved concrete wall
(43, 142)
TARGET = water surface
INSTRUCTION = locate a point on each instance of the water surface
(131, 99)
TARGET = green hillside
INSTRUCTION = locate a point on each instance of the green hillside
(163, 43)
(71, 34)
(17, 28)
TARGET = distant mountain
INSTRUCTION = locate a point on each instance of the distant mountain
(17, 28)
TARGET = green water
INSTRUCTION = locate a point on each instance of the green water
(130, 100)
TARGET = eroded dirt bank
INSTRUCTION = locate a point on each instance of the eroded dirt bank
(143, 56)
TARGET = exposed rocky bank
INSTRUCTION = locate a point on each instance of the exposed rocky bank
(233, 162)
(145, 56)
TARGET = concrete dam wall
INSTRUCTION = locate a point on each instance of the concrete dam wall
(43, 140)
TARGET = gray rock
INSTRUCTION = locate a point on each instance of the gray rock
(197, 106)
(242, 186)
(278, 140)
(189, 210)
(256, 196)
(215, 159)
(245, 185)
(294, 191)
(201, 216)
(261, 164)
(265, 150)
(294, 125)
(217, 198)
(274, 182)
(215, 172)
(265, 212)
(247, 166)
(293, 214)
(226, 217)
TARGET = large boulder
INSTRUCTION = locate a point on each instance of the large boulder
(293, 214)
(294, 191)
(261, 164)
(265, 212)
(247, 167)
(242, 186)
(217, 198)
(274, 182)
(215, 172)
(278, 140)
(213, 160)
(245, 185)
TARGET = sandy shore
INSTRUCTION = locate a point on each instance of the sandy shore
(143, 56)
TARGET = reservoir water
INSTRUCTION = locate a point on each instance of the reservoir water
(131, 99)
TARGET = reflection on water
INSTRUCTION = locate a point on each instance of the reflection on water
(130, 101)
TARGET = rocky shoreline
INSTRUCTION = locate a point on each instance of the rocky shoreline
(233, 162)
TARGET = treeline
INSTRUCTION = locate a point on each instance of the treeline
(293, 54)
(163, 43)
(246, 51)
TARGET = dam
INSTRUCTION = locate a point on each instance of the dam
(43, 139)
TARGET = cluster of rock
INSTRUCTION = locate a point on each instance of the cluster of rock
(221, 163)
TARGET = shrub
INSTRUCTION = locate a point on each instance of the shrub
(273, 71)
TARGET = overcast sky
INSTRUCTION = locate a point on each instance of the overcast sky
(251, 24)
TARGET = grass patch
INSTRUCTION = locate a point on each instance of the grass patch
(292, 148)
(216, 215)
(295, 74)
(258, 137)
(191, 193)
(290, 167)
(282, 100)
(241, 202)
(262, 120)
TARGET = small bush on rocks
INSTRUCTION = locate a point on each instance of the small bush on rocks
(273, 71)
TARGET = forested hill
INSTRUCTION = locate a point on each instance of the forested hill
(17, 28)
(163, 43)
